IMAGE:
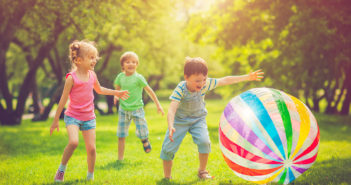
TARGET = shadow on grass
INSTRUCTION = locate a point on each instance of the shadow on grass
(172, 182)
(333, 171)
(68, 182)
(118, 165)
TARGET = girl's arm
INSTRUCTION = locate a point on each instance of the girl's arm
(170, 117)
(105, 91)
(115, 98)
(64, 97)
(153, 96)
(257, 76)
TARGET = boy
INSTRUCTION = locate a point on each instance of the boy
(187, 112)
(132, 108)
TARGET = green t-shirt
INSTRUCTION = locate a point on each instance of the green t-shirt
(135, 84)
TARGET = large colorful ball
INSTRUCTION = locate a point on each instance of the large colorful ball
(267, 135)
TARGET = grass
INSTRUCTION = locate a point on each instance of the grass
(28, 155)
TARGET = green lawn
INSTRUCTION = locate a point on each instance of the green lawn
(28, 155)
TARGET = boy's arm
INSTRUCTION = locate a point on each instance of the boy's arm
(153, 96)
(253, 76)
(67, 88)
(105, 91)
(170, 117)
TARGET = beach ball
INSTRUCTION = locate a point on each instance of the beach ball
(267, 135)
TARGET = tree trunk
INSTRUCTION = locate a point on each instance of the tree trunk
(37, 105)
(315, 104)
(54, 98)
(330, 97)
(109, 101)
(306, 94)
(346, 104)
(10, 21)
(335, 106)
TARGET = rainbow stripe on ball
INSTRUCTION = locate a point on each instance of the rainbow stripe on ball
(267, 135)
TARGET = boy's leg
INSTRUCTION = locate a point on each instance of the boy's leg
(203, 158)
(201, 137)
(90, 138)
(121, 144)
(141, 129)
(167, 168)
(124, 119)
(169, 148)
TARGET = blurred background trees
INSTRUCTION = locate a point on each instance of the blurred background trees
(302, 46)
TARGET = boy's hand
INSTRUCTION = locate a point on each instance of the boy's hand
(122, 94)
(256, 76)
(55, 125)
(171, 131)
(160, 110)
(115, 100)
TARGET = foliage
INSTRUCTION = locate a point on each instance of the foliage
(28, 155)
(299, 44)
(45, 31)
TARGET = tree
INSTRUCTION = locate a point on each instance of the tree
(304, 44)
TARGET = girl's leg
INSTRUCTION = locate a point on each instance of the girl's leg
(89, 138)
(121, 144)
(73, 133)
(167, 168)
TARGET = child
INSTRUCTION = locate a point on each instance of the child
(187, 112)
(132, 108)
(80, 115)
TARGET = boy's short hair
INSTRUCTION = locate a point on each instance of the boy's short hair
(126, 55)
(195, 66)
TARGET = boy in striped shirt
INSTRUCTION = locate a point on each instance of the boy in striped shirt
(187, 112)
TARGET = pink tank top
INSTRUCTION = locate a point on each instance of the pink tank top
(81, 105)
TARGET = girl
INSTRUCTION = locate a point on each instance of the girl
(79, 86)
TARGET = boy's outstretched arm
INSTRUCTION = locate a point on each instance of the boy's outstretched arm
(153, 96)
(253, 76)
(170, 117)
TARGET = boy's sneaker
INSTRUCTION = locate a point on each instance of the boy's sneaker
(59, 176)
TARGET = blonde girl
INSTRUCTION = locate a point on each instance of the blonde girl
(80, 115)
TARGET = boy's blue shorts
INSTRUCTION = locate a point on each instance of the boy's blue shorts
(199, 132)
(83, 125)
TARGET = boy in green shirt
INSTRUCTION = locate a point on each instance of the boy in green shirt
(132, 108)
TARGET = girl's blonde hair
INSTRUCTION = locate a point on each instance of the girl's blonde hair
(127, 55)
(78, 49)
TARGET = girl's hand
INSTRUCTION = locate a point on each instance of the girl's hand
(115, 100)
(55, 125)
(171, 131)
(122, 94)
(256, 76)
(160, 110)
